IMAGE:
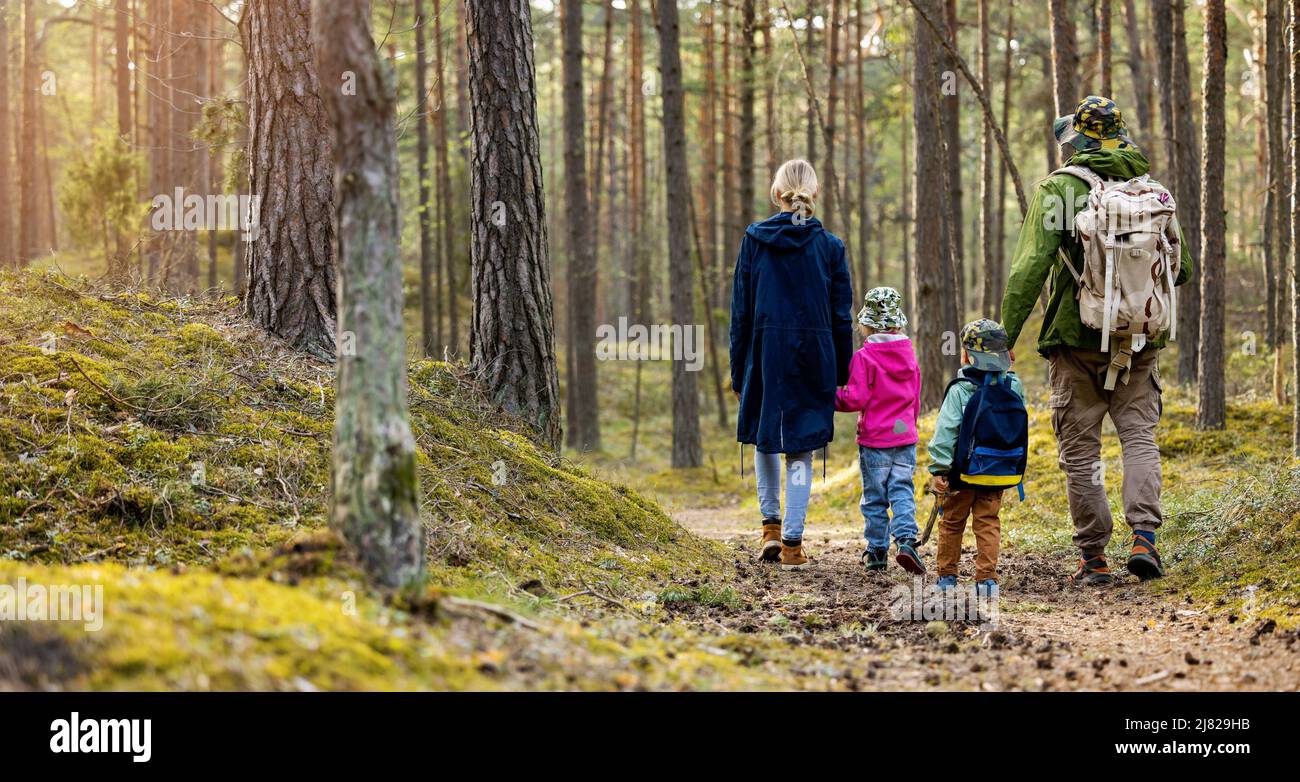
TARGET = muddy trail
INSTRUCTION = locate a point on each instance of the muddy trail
(1048, 634)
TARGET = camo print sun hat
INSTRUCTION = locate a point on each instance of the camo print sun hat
(1096, 124)
(882, 310)
(986, 342)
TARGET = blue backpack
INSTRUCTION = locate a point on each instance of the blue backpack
(993, 441)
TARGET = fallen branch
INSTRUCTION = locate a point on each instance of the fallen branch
(474, 606)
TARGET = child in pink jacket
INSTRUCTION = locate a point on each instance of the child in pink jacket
(885, 387)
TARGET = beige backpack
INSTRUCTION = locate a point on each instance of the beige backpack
(1131, 254)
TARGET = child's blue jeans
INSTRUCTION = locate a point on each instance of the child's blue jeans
(887, 482)
(798, 487)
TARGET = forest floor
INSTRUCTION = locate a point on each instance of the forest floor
(1048, 634)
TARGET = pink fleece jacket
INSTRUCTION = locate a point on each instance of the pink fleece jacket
(885, 386)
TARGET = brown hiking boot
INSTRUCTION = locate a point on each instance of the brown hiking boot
(792, 557)
(771, 542)
(1093, 571)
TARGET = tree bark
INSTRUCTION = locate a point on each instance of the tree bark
(1210, 404)
(952, 216)
(1162, 25)
(1188, 160)
(291, 273)
(1104, 46)
(374, 501)
(748, 54)
(28, 240)
(931, 277)
(708, 186)
(687, 450)
(512, 335)
(992, 290)
(1293, 256)
(828, 205)
(428, 329)
(7, 253)
(444, 210)
(1274, 221)
(1137, 66)
(585, 426)
(1065, 58)
(1000, 219)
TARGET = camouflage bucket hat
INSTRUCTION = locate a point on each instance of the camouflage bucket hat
(882, 310)
(1096, 124)
(986, 342)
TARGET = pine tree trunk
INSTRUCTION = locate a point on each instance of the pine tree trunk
(954, 239)
(748, 55)
(7, 252)
(1210, 404)
(28, 192)
(860, 138)
(1274, 220)
(1137, 66)
(988, 211)
(999, 220)
(444, 268)
(930, 284)
(1162, 25)
(1103, 46)
(828, 206)
(770, 122)
(427, 327)
(1188, 160)
(512, 336)
(1293, 256)
(714, 257)
(585, 425)
(639, 280)
(1065, 57)
(687, 450)
(291, 272)
(181, 272)
(731, 229)
(374, 501)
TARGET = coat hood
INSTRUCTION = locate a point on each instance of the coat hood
(895, 358)
(781, 231)
(1113, 163)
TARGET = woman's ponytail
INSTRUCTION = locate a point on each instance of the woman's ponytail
(794, 188)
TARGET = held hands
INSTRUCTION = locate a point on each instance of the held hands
(938, 485)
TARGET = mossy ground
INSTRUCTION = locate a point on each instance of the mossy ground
(165, 449)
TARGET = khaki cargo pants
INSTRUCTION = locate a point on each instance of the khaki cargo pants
(1079, 402)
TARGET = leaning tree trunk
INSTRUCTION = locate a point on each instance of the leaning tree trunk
(374, 502)
(1187, 155)
(687, 451)
(585, 426)
(930, 271)
(290, 288)
(512, 336)
(1210, 408)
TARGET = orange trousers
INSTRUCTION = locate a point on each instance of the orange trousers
(982, 506)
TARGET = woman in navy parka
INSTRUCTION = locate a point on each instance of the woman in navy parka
(791, 341)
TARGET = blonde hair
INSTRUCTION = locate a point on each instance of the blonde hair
(794, 188)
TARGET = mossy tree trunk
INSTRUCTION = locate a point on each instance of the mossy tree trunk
(687, 451)
(374, 502)
(290, 270)
(512, 336)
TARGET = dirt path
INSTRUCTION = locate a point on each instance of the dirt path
(1048, 635)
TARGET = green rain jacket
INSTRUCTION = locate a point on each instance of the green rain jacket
(1046, 229)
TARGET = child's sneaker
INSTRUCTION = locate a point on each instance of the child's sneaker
(1144, 561)
(908, 558)
(792, 557)
(946, 583)
(874, 559)
(771, 542)
(1093, 571)
(987, 588)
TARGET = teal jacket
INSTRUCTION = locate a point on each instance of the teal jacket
(949, 421)
(1036, 256)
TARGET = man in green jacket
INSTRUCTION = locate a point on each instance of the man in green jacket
(1099, 140)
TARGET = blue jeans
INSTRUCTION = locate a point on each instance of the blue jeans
(798, 487)
(886, 483)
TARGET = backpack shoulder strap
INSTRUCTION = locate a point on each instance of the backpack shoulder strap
(1089, 176)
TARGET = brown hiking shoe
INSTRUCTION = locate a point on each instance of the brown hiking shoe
(1093, 571)
(771, 542)
(792, 557)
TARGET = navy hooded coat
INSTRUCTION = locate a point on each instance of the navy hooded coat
(791, 333)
